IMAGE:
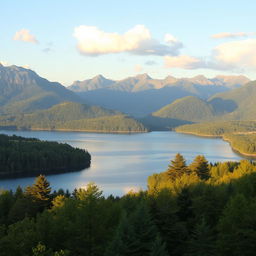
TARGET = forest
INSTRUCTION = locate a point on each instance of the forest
(198, 209)
(30, 157)
(240, 134)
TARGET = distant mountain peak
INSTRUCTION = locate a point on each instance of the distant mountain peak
(144, 76)
(200, 79)
(232, 81)
(99, 77)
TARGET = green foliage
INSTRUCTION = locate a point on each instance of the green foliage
(244, 143)
(183, 216)
(237, 231)
(202, 242)
(188, 108)
(158, 248)
(218, 128)
(240, 134)
(70, 116)
(25, 156)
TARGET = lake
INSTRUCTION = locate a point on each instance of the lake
(121, 162)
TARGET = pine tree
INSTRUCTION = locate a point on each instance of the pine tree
(177, 167)
(40, 191)
(202, 242)
(185, 207)
(135, 234)
(158, 248)
(200, 167)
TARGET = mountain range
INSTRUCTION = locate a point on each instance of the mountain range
(142, 95)
(28, 101)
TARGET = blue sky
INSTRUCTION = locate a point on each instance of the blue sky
(65, 40)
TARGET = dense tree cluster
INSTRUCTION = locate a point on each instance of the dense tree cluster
(244, 143)
(73, 117)
(240, 134)
(203, 209)
(23, 156)
(218, 128)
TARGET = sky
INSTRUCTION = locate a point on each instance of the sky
(64, 40)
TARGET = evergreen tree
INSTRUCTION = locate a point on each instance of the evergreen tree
(200, 167)
(185, 207)
(40, 192)
(202, 242)
(158, 248)
(177, 167)
(237, 227)
(135, 235)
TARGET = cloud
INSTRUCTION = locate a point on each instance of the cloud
(236, 54)
(25, 35)
(92, 41)
(47, 50)
(183, 61)
(138, 68)
(233, 56)
(168, 38)
(150, 63)
(232, 35)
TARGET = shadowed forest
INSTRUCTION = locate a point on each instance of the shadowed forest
(197, 209)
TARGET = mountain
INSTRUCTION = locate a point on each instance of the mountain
(72, 116)
(188, 109)
(239, 104)
(22, 90)
(230, 81)
(142, 95)
(98, 82)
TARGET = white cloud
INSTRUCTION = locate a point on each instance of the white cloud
(236, 54)
(138, 40)
(183, 61)
(138, 68)
(168, 38)
(25, 35)
(232, 35)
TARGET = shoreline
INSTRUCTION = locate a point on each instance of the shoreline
(72, 130)
(224, 139)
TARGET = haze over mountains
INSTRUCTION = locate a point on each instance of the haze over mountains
(142, 95)
(30, 101)
(22, 90)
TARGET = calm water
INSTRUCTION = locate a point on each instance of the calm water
(123, 162)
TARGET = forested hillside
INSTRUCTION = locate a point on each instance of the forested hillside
(240, 134)
(187, 109)
(239, 103)
(197, 209)
(74, 117)
(29, 157)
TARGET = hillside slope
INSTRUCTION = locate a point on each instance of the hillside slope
(22, 90)
(188, 108)
(72, 116)
(240, 102)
